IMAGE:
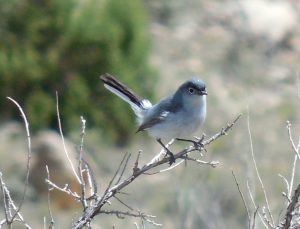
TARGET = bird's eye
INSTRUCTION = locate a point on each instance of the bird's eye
(191, 90)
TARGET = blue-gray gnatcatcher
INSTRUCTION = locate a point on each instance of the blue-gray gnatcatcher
(177, 116)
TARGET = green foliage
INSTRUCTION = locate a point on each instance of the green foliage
(53, 45)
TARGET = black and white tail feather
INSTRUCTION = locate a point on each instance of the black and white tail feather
(139, 106)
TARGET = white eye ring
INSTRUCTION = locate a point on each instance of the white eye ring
(191, 90)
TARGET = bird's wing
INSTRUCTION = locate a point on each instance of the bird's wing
(151, 122)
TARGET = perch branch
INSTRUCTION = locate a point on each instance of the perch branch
(111, 191)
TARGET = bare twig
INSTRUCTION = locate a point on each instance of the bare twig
(49, 202)
(291, 208)
(243, 198)
(10, 207)
(91, 179)
(28, 155)
(291, 186)
(162, 152)
(213, 164)
(80, 160)
(254, 217)
(136, 164)
(111, 191)
(257, 172)
(63, 141)
(256, 207)
(295, 148)
(286, 184)
(116, 173)
(141, 215)
(123, 170)
(296, 157)
(122, 202)
(170, 168)
(223, 131)
(5, 201)
(65, 189)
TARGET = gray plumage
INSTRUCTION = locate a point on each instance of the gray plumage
(177, 116)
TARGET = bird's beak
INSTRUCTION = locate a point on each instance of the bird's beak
(203, 92)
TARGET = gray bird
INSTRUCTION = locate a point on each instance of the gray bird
(177, 116)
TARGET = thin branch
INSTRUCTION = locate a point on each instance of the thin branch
(5, 200)
(122, 202)
(123, 170)
(256, 169)
(110, 192)
(91, 178)
(65, 189)
(63, 140)
(9, 206)
(254, 217)
(291, 208)
(286, 183)
(28, 155)
(292, 176)
(116, 173)
(138, 215)
(136, 164)
(297, 156)
(49, 202)
(80, 170)
(136, 225)
(243, 198)
(162, 152)
(170, 168)
(296, 149)
(223, 131)
(256, 207)
(213, 164)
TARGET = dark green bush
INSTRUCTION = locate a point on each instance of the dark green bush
(53, 45)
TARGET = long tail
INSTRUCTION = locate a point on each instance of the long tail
(119, 89)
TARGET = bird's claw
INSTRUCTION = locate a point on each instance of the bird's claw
(198, 144)
(172, 157)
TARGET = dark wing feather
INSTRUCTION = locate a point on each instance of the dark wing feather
(150, 123)
(162, 110)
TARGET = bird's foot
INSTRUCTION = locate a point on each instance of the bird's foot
(172, 158)
(198, 143)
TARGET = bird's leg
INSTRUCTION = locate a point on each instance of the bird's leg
(197, 144)
(172, 158)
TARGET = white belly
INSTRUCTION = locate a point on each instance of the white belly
(178, 125)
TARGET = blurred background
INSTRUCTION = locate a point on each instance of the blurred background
(247, 52)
